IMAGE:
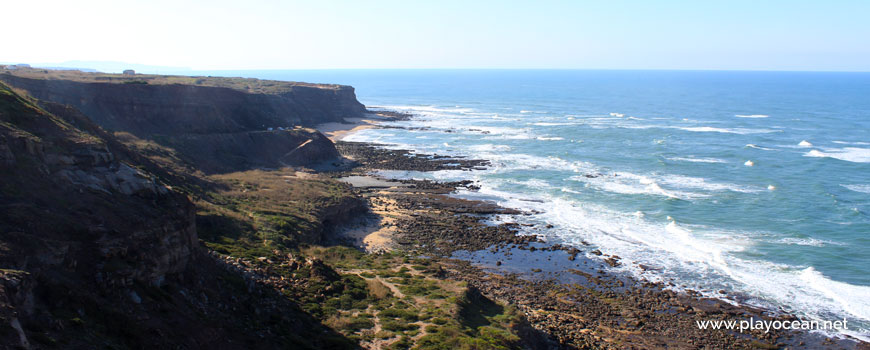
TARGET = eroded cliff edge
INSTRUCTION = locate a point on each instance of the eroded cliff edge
(217, 125)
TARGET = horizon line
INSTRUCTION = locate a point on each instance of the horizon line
(543, 69)
(189, 69)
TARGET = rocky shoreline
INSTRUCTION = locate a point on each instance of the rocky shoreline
(559, 290)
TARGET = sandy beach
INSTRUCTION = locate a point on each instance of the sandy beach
(338, 131)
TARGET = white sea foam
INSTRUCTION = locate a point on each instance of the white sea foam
(812, 242)
(688, 182)
(697, 160)
(549, 124)
(709, 255)
(741, 131)
(568, 190)
(495, 130)
(488, 147)
(535, 183)
(858, 188)
(628, 183)
(749, 163)
(849, 154)
(440, 175)
(636, 238)
(853, 299)
(805, 143)
(703, 258)
(365, 135)
(426, 109)
(550, 138)
(508, 137)
(498, 132)
(754, 116)
(749, 145)
(618, 115)
(853, 143)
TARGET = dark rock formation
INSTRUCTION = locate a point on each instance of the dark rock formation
(223, 153)
(72, 206)
(97, 251)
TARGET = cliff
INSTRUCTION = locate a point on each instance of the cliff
(98, 250)
(147, 105)
(78, 213)
(103, 233)
(216, 124)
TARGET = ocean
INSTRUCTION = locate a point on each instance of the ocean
(757, 183)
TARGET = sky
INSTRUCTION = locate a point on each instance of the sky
(831, 35)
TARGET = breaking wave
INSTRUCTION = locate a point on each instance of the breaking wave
(697, 160)
(849, 154)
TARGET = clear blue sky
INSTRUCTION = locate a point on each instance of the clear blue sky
(264, 34)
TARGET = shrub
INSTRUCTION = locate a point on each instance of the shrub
(409, 316)
(378, 289)
(398, 326)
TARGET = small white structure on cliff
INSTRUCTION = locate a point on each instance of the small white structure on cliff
(16, 66)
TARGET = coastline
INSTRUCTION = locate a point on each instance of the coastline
(569, 296)
(337, 131)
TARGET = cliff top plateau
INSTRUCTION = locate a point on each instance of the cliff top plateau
(251, 85)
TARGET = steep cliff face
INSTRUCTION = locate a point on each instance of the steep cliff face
(77, 213)
(44, 157)
(216, 129)
(223, 153)
(157, 109)
(98, 251)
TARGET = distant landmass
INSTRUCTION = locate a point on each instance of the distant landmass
(110, 67)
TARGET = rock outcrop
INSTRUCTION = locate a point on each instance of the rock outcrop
(227, 152)
(98, 250)
(78, 213)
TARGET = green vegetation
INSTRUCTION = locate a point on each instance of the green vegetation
(257, 212)
(412, 307)
(268, 221)
(392, 298)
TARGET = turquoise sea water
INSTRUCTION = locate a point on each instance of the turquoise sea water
(755, 182)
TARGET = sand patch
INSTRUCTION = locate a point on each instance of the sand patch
(336, 131)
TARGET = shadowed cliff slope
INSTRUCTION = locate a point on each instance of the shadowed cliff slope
(242, 124)
(97, 251)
